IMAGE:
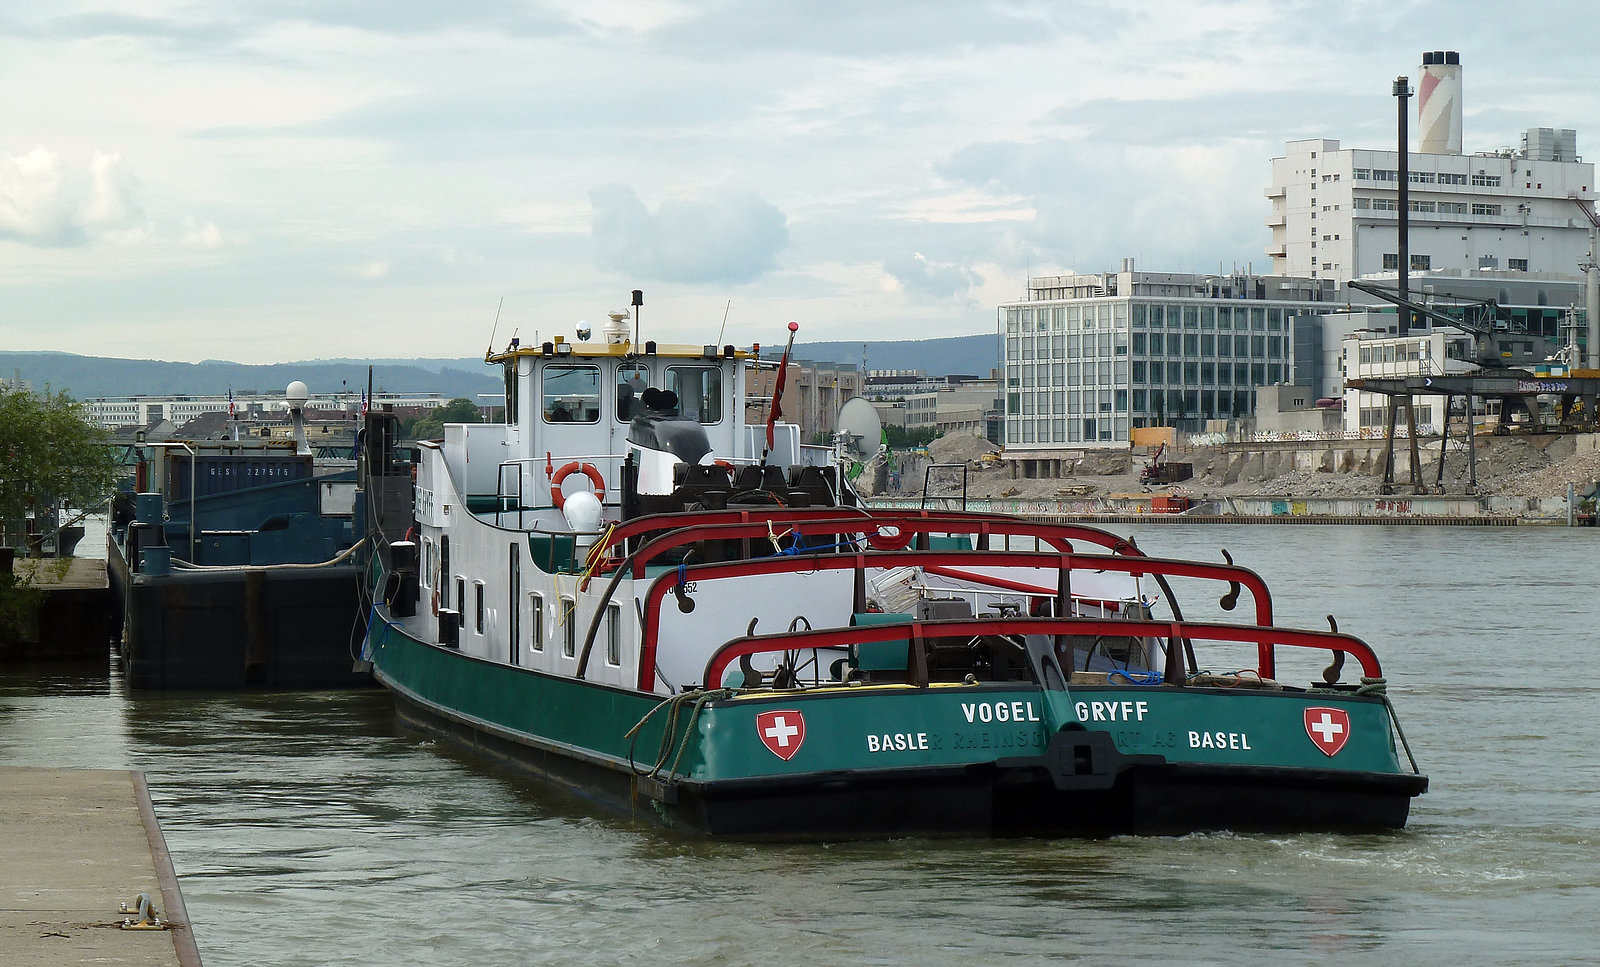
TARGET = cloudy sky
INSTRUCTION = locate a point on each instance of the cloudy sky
(262, 180)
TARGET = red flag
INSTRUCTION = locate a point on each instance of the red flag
(776, 410)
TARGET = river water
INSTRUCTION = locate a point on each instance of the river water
(308, 829)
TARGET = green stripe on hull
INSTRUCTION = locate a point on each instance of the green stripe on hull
(542, 709)
(874, 728)
(897, 728)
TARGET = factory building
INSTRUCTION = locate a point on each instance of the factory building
(1507, 211)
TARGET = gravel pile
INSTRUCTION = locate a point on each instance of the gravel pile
(960, 448)
(1581, 470)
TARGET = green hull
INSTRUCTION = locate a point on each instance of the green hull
(948, 759)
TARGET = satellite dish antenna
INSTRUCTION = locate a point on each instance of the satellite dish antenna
(860, 429)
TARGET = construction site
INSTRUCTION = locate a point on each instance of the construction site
(1522, 478)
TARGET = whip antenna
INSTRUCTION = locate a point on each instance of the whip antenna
(496, 327)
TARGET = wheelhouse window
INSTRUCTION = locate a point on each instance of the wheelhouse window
(699, 390)
(509, 411)
(631, 384)
(571, 394)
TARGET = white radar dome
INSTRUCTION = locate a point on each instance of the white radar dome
(296, 394)
(582, 511)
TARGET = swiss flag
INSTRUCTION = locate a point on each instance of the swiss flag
(782, 732)
(1329, 728)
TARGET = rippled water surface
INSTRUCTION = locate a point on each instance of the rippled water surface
(308, 829)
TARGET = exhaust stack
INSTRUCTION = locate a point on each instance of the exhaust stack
(1439, 103)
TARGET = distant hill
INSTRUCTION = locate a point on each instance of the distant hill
(84, 377)
(971, 355)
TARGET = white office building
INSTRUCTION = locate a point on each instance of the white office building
(1504, 211)
(1087, 357)
(115, 411)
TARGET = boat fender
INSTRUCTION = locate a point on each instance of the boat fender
(597, 481)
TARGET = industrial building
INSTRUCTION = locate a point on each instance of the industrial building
(1505, 211)
(1088, 357)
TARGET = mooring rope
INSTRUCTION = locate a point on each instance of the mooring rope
(1380, 688)
(669, 731)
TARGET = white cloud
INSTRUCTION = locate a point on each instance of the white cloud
(35, 203)
(198, 234)
(43, 202)
(416, 160)
(932, 281)
(110, 204)
(731, 236)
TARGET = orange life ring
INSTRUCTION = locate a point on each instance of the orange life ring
(596, 480)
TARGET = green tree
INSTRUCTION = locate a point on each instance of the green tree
(900, 438)
(458, 410)
(50, 456)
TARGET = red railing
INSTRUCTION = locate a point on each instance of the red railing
(918, 632)
(1065, 561)
(753, 523)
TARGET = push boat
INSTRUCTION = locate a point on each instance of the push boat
(634, 592)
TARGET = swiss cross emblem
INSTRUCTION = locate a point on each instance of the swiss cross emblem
(1328, 728)
(782, 732)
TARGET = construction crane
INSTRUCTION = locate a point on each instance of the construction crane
(1497, 337)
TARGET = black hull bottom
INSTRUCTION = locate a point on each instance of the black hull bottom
(1145, 800)
(288, 629)
(965, 801)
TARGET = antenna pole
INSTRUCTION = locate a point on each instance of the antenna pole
(638, 300)
(493, 329)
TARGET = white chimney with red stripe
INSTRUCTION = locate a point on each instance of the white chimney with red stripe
(1439, 103)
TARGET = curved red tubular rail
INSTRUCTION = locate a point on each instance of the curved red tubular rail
(918, 631)
(1134, 566)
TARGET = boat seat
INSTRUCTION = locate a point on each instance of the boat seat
(950, 657)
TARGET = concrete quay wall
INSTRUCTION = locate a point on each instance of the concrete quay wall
(1396, 509)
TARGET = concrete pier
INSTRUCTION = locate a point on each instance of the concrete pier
(80, 842)
(75, 616)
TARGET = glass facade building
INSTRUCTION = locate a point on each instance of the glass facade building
(1087, 358)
